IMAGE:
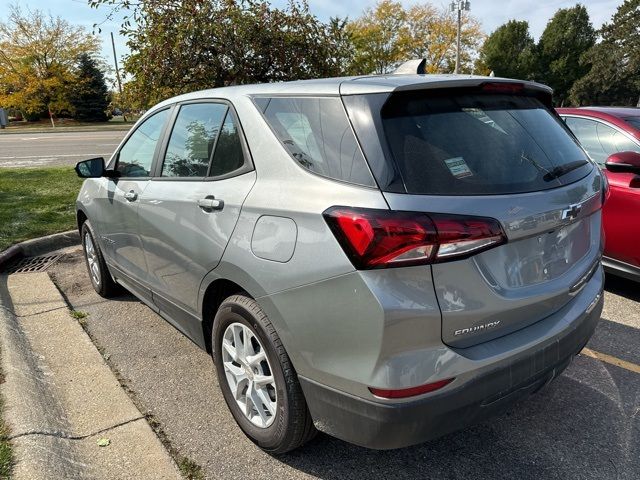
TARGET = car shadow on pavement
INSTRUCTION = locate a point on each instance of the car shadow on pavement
(583, 425)
(125, 296)
(623, 287)
(618, 340)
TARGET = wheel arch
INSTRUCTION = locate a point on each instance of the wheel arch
(216, 292)
(81, 217)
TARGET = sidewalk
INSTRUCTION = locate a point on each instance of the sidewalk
(61, 397)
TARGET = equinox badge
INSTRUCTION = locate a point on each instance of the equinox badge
(477, 328)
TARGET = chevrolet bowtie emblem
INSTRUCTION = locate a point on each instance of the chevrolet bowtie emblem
(571, 212)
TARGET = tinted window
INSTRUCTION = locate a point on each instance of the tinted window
(228, 155)
(600, 140)
(634, 122)
(470, 144)
(614, 141)
(317, 134)
(586, 132)
(136, 155)
(192, 140)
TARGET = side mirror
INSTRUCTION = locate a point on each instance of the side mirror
(92, 168)
(624, 162)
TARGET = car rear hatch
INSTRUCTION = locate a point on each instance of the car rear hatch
(491, 151)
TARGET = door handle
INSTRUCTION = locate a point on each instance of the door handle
(130, 196)
(210, 203)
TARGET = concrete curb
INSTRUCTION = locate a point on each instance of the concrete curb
(24, 379)
(39, 246)
(61, 397)
(9, 255)
(49, 243)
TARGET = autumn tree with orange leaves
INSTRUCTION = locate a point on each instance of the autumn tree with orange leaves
(388, 34)
(38, 57)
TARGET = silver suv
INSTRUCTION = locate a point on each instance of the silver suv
(385, 259)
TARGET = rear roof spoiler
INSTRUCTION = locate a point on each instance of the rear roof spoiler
(405, 78)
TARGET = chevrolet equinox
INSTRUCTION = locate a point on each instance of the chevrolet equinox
(385, 259)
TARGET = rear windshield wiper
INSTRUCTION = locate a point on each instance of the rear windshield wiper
(561, 170)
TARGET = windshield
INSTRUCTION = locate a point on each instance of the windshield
(472, 144)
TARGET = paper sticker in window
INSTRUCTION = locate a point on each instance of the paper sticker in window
(458, 167)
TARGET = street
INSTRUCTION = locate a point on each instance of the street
(56, 149)
(584, 425)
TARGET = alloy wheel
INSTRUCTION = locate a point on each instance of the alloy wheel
(92, 258)
(249, 375)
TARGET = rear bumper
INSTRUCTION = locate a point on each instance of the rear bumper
(394, 425)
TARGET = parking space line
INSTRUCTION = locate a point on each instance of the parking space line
(603, 357)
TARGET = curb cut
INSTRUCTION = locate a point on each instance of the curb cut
(38, 246)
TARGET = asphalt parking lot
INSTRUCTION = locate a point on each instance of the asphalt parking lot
(584, 425)
(56, 149)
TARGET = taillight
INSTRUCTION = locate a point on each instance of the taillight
(503, 87)
(386, 238)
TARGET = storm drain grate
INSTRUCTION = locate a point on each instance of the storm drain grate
(32, 264)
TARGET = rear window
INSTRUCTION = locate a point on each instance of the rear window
(474, 144)
(317, 134)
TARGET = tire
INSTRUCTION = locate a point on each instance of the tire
(291, 425)
(97, 268)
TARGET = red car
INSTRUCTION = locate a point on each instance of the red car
(611, 137)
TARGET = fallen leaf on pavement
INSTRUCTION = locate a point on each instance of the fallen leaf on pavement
(103, 442)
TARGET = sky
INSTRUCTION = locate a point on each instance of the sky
(491, 13)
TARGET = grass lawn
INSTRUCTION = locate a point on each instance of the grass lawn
(66, 125)
(36, 202)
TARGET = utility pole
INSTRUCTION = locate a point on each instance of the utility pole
(459, 6)
(115, 61)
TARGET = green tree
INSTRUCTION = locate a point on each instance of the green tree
(37, 58)
(184, 45)
(90, 94)
(568, 35)
(509, 51)
(614, 77)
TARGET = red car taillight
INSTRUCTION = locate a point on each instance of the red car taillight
(386, 238)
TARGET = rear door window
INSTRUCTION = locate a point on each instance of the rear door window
(474, 144)
(317, 134)
(193, 139)
(228, 156)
